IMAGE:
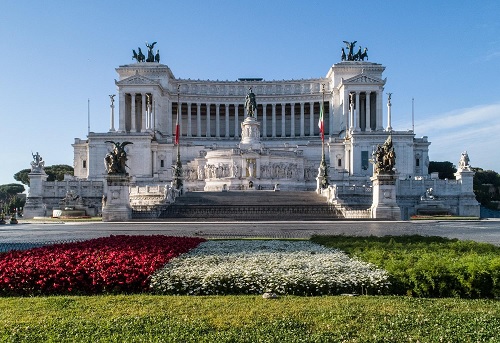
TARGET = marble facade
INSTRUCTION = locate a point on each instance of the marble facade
(282, 146)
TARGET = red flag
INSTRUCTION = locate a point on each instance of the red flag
(177, 129)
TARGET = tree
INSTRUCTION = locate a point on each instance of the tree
(445, 169)
(486, 187)
(55, 172)
(10, 189)
(9, 198)
(22, 176)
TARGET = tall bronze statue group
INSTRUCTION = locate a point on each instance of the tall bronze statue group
(384, 158)
(115, 161)
(139, 57)
(351, 56)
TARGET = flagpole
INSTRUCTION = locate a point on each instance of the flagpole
(413, 115)
(178, 163)
(88, 115)
(323, 168)
(323, 124)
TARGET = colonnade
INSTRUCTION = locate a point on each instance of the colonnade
(365, 110)
(139, 112)
(277, 119)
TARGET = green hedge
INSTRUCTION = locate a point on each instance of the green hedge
(428, 266)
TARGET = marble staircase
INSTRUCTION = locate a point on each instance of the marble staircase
(250, 205)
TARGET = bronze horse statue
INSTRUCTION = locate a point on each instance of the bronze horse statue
(139, 57)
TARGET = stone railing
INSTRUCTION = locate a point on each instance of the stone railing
(418, 188)
(240, 88)
(356, 214)
(146, 198)
(83, 188)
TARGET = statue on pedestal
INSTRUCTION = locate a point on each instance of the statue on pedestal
(463, 164)
(251, 104)
(115, 161)
(384, 158)
(37, 164)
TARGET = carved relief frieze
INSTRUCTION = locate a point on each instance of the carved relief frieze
(365, 79)
(136, 80)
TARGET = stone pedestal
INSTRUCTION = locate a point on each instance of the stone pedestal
(319, 183)
(384, 204)
(116, 201)
(467, 203)
(34, 201)
(250, 134)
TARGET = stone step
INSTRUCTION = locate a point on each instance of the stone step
(251, 198)
(251, 205)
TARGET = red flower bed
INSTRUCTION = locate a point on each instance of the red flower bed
(109, 264)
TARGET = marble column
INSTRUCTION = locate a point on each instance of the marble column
(302, 119)
(169, 116)
(346, 110)
(133, 114)
(208, 120)
(389, 105)
(274, 121)
(189, 124)
(264, 120)
(311, 119)
(198, 119)
(283, 120)
(217, 118)
(292, 118)
(330, 116)
(351, 112)
(357, 117)
(236, 128)
(122, 112)
(227, 120)
(152, 124)
(144, 114)
(368, 111)
(112, 119)
(380, 120)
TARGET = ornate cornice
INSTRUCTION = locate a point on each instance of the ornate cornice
(137, 80)
(363, 79)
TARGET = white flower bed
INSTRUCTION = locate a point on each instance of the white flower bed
(255, 267)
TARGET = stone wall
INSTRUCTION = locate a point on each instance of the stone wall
(453, 196)
(53, 193)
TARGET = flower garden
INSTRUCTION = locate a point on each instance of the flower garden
(406, 265)
(259, 266)
(181, 265)
(103, 265)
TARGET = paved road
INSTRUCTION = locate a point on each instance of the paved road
(482, 231)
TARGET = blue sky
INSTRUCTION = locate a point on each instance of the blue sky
(58, 54)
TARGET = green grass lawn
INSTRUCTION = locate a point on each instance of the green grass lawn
(148, 318)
